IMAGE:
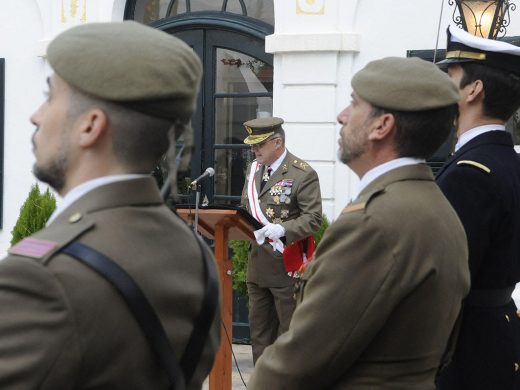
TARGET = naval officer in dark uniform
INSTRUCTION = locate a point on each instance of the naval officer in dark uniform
(118, 93)
(482, 182)
(283, 193)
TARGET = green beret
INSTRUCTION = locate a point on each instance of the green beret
(260, 129)
(130, 64)
(404, 84)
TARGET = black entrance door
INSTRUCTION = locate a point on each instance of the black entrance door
(236, 87)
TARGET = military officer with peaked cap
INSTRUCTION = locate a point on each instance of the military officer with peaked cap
(378, 303)
(105, 123)
(283, 193)
(482, 182)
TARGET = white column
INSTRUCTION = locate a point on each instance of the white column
(313, 46)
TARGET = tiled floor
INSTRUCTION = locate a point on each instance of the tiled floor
(245, 367)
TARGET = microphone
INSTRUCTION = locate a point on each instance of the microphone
(207, 173)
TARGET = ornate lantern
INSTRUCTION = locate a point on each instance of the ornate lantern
(483, 18)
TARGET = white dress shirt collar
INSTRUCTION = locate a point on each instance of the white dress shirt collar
(275, 165)
(476, 131)
(374, 173)
(78, 191)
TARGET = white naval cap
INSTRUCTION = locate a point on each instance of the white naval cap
(464, 47)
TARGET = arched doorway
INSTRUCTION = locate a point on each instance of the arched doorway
(237, 83)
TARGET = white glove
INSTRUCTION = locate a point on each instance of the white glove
(260, 235)
(274, 231)
(271, 230)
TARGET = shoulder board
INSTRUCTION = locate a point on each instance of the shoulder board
(354, 207)
(50, 240)
(362, 202)
(33, 247)
(300, 164)
(474, 164)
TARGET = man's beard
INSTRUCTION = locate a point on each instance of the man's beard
(355, 149)
(53, 174)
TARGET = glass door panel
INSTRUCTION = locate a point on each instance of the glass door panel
(243, 91)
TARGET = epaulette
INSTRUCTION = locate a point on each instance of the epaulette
(362, 202)
(33, 247)
(475, 164)
(354, 207)
(300, 165)
(43, 246)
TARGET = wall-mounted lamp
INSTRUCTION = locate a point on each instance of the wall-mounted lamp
(483, 18)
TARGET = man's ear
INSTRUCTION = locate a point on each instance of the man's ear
(93, 126)
(475, 91)
(383, 127)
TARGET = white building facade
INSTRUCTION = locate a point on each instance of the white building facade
(316, 47)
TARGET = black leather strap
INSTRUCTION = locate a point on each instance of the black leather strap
(203, 322)
(147, 318)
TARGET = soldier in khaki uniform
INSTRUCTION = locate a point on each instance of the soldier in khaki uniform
(377, 305)
(283, 193)
(106, 122)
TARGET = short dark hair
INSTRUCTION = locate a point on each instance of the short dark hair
(501, 89)
(420, 133)
(139, 140)
(281, 132)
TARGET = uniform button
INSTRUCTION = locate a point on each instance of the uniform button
(507, 318)
(75, 217)
(517, 367)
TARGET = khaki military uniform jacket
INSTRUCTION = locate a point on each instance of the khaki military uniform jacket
(62, 326)
(291, 198)
(377, 305)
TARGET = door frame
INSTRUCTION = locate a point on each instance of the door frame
(219, 30)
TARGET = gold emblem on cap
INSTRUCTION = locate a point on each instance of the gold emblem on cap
(249, 130)
(75, 217)
(466, 54)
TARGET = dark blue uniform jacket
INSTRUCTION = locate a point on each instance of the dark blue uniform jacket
(482, 182)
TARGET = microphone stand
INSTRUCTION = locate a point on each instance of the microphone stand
(196, 187)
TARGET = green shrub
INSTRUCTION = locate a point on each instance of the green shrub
(240, 250)
(34, 213)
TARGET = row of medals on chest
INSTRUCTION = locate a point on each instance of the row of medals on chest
(281, 193)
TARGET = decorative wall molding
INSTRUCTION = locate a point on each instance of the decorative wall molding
(337, 42)
(59, 15)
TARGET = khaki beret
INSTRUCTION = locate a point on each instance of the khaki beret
(260, 129)
(404, 84)
(130, 64)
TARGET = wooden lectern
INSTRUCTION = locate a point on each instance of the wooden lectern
(221, 224)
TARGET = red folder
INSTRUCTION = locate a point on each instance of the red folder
(298, 253)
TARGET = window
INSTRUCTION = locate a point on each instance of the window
(149, 11)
